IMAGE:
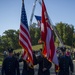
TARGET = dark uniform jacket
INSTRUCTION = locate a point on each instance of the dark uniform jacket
(65, 63)
(44, 63)
(10, 66)
(26, 69)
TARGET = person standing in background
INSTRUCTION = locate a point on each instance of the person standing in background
(44, 65)
(65, 62)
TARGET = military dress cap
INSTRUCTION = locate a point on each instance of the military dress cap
(10, 50)
(63, 49)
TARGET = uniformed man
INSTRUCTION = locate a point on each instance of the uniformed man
(65, 63)
(10, 64)
(44, 65)
(27, 69)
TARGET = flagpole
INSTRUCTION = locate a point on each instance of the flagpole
(55, 31)
(32, 14)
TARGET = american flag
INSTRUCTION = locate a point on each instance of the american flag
(24, 35)
(38, 18)
(49, 50)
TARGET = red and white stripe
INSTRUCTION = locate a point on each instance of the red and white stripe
(47, 37)
(25, 41)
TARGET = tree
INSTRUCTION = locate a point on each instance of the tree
(12, 37)
(66, 32)
(34, 33)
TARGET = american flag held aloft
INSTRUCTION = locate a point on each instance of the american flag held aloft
(24, 35)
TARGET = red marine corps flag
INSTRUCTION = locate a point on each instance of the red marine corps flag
(24, 37)
(49, 50)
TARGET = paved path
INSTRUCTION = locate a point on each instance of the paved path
(52, 72)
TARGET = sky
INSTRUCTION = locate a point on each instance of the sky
(58, 11)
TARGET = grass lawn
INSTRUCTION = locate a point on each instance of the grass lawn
(1, 58)
(37, 47)
(0, 62)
